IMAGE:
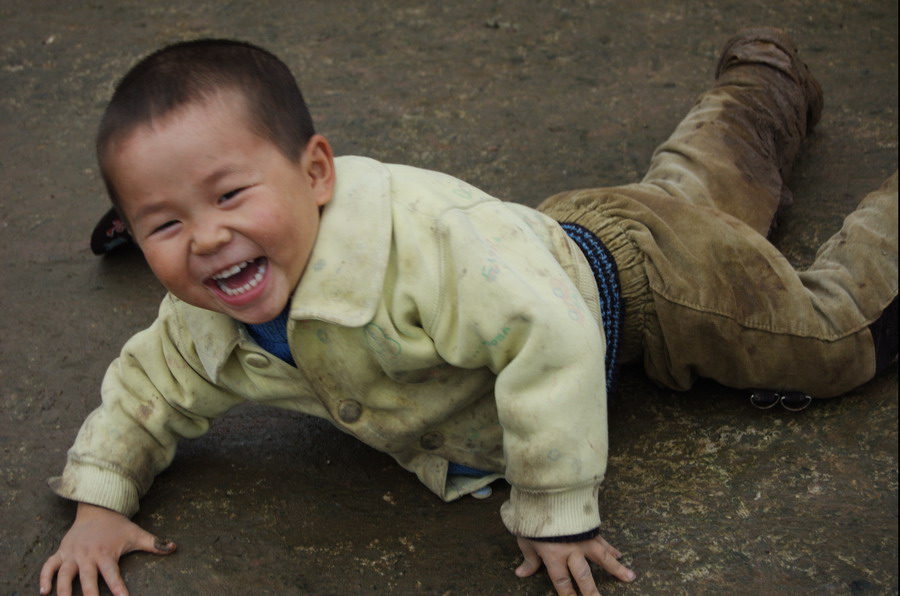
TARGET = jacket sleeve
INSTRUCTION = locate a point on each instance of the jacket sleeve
(507, 304)
(153, 394)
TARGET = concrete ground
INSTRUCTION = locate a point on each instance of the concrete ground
(705, 494)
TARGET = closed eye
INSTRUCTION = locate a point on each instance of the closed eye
(164, 226)
(231, 194)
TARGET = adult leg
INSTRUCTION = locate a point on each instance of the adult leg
(734, 149)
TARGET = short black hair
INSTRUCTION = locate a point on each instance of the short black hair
(191, 71)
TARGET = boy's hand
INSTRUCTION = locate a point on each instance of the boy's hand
(567, 560)
(93, 544)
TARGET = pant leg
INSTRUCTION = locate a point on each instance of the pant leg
(859, 265)
(721, 302)
(715, 299)
(734, 149)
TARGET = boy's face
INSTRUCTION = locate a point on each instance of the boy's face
(224, 219)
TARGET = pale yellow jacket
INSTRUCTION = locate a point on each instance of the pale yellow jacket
(433, 322)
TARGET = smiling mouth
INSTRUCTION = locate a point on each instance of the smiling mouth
(241, 278)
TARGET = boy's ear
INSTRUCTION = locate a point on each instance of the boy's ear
(317, 162)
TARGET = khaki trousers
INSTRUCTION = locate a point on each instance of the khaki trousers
(706, 294)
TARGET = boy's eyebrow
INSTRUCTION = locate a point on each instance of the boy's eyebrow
(148, 210)
(216, 175)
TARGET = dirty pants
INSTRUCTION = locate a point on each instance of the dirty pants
(705, 293)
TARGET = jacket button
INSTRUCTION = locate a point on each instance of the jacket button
(349, 410)
(256, 361)
(431, 440)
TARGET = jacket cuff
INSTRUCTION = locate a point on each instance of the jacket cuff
(91, 484)
(574, 538)
(552, 514)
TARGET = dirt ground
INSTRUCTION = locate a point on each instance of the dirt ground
(705, 494)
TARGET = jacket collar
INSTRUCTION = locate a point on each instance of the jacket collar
(344, 276)
(345, 273)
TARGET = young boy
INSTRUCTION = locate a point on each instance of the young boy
(467, 337)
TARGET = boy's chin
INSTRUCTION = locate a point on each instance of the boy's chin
(254, 316)
(251, 316)
(256, 320)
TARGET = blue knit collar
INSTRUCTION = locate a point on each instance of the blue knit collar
(272, 335)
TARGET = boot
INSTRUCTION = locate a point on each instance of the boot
(749, 47)
(775, 49)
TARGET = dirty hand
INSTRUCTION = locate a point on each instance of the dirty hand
(95, 542)
(567, 560)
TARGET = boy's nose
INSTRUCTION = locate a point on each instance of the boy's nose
(209, 238)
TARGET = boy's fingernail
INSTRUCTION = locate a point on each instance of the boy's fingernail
(631, 575)
(163, 545)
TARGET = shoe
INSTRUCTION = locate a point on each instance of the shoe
(482, 493)
(110, 234)
(884, 336)
(789, 400)
(763, 399)
(747, 47)
(795, 401)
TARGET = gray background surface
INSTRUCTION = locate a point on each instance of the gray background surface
(705, 495)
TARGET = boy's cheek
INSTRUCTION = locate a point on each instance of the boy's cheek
(178, 282)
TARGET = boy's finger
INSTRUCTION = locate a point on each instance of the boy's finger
(564, 586)
(163, 547)
(88, 577)
(113, 579)
(152, 544)
(529, 566)
(532, 561)
(559, 575)
(615, 552)
(581, 571)
(47, 573)
(607, 559)
(64, 577)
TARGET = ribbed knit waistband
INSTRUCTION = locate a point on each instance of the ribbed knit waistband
(612, 308)
(604, 214)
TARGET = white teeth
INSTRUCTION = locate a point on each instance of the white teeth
(230, 271)
(260, 273)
